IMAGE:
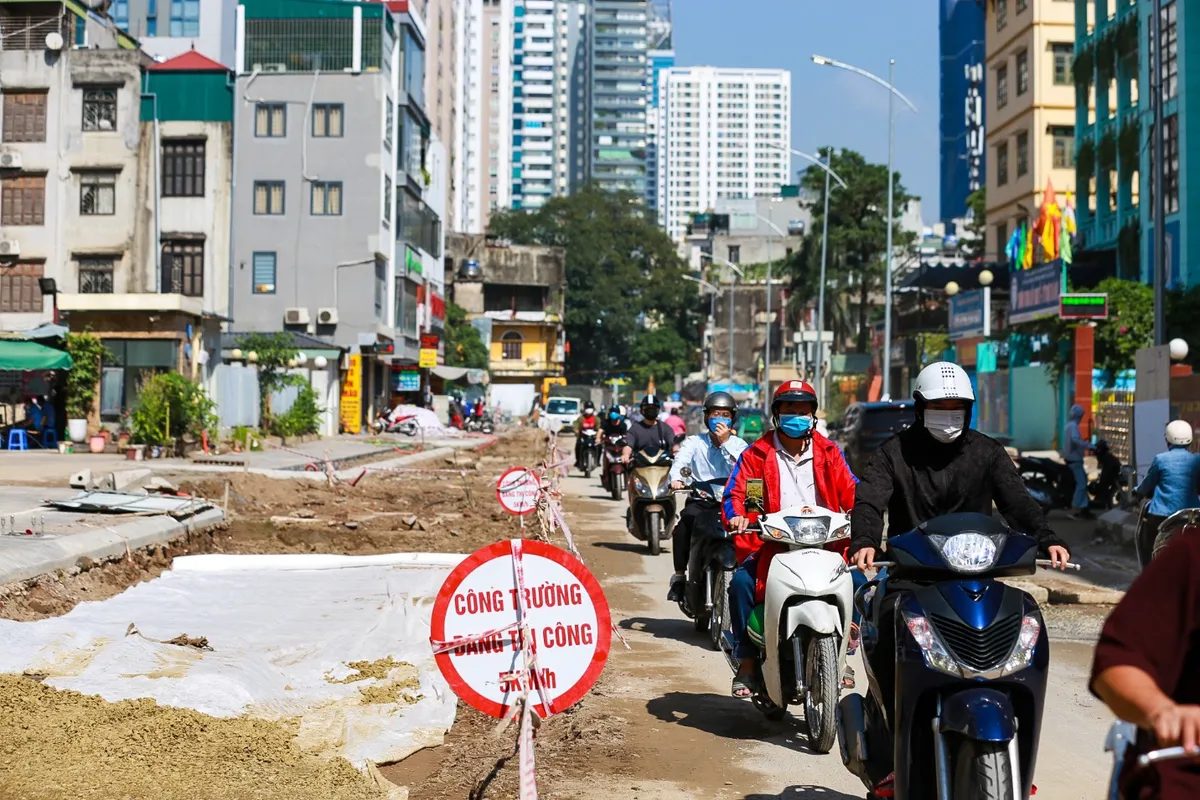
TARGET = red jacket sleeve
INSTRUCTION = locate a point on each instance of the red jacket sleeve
(747, 468)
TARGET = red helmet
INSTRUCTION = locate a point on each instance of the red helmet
(794, 391)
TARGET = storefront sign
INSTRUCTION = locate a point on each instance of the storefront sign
(429, 350)
(437, 310)
(406, 380)
(412, 261)
(351, 411)
(966, 315)
(1084, 306)
(1035, 293)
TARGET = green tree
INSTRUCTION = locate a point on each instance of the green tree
(624, 283)
(274, 351)
(464, 347)
(1129, 327)
(857, 237)
(974, 242)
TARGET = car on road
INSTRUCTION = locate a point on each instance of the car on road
(866, 426)
(564, 411)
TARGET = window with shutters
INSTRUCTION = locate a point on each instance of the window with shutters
(326, 199)
(97, 194)
(24, 117)
(263, 273)
(19, 290)
(327, 120)
(183, 268)
(183, 168)
(268, 197)
(95, 275)
(270, 120)
(99, 109)
(23, 200)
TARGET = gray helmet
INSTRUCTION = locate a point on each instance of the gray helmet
(720, 400)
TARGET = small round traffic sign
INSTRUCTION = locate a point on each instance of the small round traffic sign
(517, 490)
(568, 620)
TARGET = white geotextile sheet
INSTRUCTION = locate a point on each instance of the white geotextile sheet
(280, 627)
(425, 419)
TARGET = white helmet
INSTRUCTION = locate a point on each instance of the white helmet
(943, 381)
(1179, 433)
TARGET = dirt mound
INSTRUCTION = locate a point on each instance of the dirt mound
(60, 745)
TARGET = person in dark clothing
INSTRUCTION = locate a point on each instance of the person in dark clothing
(1110, 473)
(1147, 664)
(938, 466)
(615, 423)
(650, 433)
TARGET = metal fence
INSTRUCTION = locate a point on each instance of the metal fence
(300, 45)
(1114, 422)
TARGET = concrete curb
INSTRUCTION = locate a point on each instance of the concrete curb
(43, 556)
(1059, 593)
(1118, 525)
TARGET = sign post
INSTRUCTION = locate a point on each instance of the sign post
(518, 490)
(485, 636)
(1083, 306)
(1035, 293)
(428, 355)
(351, 406)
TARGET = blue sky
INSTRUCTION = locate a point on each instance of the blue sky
(831, 106)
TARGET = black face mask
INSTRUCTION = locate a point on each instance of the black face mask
(650, 413)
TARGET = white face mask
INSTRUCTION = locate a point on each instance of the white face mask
(945, 426)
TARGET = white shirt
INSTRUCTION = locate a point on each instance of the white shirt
(797, 486)
(707, 461)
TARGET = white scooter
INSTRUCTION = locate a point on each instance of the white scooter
(805, 620)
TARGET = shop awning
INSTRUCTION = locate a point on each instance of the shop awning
(458, 373)
(16, 356)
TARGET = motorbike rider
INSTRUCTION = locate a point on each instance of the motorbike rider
(587, 421)
(615, 423)
(1075, 447)
(710, 457)
(1147, 663)
(1171, 482)
(796, 466)
(676, 422)
(938, 466)
(650, 433)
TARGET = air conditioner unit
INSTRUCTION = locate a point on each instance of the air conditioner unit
(295, 316)
(327, 316)
(10, 247)
(10, 160)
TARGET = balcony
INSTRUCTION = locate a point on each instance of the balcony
(143, 302)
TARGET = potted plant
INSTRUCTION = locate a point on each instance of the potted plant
(83, 379)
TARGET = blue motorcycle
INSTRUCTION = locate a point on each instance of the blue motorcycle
(969, 668)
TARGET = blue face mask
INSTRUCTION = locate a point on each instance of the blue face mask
(715, 421)
(795, 425)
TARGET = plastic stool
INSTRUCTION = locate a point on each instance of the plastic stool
(17, 440)
(49, 438)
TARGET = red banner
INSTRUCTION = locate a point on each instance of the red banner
(437, 306)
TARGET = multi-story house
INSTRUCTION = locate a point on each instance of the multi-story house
(333, 232)
(1030, 97)
(725, 134)
(124, 216)
(169, 28)
(515, 297)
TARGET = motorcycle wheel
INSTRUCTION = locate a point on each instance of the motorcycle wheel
(1161, 540)
(820, 703)
(653, 532)
(589, 464)
(982, 771)
(716, 624)
(616, 486)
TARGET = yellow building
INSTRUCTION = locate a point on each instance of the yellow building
(1030, 111)
(514, 296)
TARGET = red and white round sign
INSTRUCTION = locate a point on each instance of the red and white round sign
(517, 490)
(567, 615)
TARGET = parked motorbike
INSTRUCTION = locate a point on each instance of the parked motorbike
(588, 451)
(612, 469)
(405, 425)
(1149, 543)
(971, 662)
(711, 561)
(1135, 761)
(805, 620)
(479, 424)
(1049, 482)
(651, 515)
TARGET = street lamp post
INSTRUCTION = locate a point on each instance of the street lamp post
(823, 164)
(893, 93)
(712, 317)
(767, 343)
(733, 269)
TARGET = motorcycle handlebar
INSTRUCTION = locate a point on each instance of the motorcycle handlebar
(1045, 562)
(1165, 754)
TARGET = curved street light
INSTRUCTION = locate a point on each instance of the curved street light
(816, 161)
(767, 342)
(734, 268)
(893, 92)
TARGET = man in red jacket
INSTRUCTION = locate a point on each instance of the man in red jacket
(793, 465)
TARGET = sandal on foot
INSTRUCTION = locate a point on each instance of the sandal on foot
(743, 687)
(848, 678)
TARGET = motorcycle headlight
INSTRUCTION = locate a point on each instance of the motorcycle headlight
(968, 552)
(935, 653)
(664, 485)
(769, 534)
(642, 487)
(1022, 654)
(808, 530)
